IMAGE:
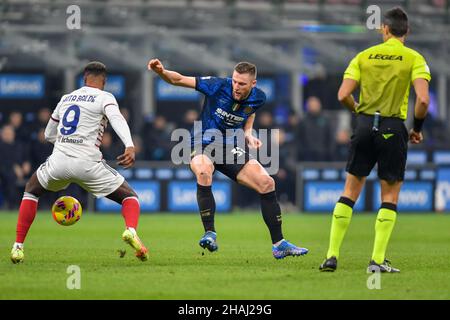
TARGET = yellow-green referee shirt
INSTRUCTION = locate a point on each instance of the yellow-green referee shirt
(385, 73)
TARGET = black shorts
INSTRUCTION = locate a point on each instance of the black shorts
(386, 147)
(228, 159)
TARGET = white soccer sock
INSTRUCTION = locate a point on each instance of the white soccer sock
(18, 245)
(133, 231)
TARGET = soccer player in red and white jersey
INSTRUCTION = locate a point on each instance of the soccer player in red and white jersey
(76, 128)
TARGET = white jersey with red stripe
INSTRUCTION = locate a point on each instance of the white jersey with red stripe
(82, 122)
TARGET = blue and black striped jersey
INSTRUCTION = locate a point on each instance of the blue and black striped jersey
(220, 111)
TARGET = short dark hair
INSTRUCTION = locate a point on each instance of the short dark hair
(246, 67)
(397, 21)
(95, 68)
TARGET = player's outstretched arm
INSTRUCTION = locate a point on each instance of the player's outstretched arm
(171, 77)
(421, 87)
(345, 96)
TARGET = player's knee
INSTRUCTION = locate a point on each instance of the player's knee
(266, 185)
(204, 176)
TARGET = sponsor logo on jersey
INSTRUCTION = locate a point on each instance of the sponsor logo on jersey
(70, 140)
(229, 118)
(380, 56)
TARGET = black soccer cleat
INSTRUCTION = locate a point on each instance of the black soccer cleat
(329, 265)
(385, 267)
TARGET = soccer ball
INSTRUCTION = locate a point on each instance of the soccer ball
(66, 210)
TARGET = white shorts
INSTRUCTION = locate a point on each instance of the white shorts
(96, 177)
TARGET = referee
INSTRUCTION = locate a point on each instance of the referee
(384, 73)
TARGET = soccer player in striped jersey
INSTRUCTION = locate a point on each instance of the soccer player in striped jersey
(230, 106)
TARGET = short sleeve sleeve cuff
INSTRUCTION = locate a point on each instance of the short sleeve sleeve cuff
(420, 69)
(353, 71)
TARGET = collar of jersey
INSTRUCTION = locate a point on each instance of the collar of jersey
(394, 41)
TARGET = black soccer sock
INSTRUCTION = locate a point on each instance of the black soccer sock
(271, 212)
(207, 206)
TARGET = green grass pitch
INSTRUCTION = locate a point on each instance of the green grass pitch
(243, 268)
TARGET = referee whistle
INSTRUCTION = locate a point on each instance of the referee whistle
(376, 121)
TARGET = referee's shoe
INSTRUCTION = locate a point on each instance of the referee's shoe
(384, 267)
(329, 265)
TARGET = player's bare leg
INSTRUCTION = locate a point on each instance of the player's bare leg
(254, 176)
(203, 169)
(27, 213)
(353, 187)
(126, 197)
(342, 215)
(384, 225)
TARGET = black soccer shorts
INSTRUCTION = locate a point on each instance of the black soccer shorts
(228, 159)
(386, 145)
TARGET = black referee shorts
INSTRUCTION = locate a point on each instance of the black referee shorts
(228, 159)
(386, 147)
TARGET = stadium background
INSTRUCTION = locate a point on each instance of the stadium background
(301, 48)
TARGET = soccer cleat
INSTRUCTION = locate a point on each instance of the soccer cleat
(208, 241)
(385, 267)
(329, 265)
(286, 248)
(133, 240)
(17, 254)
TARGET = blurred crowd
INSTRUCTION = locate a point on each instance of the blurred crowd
(24, 148)
(316, 136)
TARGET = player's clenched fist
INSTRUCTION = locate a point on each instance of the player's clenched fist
(253, 142)
(156, 66)
(415, 137)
